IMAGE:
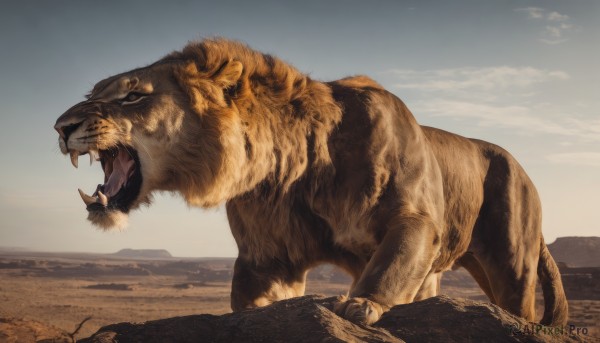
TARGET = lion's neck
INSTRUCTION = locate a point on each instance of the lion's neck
(282, 142)
(279, 136)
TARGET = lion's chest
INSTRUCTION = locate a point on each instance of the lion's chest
(352, 233)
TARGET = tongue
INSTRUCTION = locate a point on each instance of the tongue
(122, 169)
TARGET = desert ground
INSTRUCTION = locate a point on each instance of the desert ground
(64, 289)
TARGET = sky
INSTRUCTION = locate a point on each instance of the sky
(522, 74)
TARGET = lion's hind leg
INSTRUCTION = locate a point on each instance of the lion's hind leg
(506, 237)
(472, 265)
(513, 288)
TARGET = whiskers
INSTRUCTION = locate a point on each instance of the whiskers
(139, 143)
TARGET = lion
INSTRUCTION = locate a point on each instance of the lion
(314, 172)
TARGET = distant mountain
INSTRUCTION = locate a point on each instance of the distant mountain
(13, 249)
(143, 253)
(576, 251)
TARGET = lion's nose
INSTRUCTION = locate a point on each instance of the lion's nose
(66, 129)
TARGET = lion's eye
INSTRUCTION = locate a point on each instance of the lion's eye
(132, 98)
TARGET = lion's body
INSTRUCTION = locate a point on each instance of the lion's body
(485, 208)
(341, 173)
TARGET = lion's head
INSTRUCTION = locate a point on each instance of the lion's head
(206, 122)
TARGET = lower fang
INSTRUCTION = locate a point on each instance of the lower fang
(103, 199)
(88, 200)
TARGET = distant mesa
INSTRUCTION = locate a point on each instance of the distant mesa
(576, 251)
(13, 249)
(143, 253)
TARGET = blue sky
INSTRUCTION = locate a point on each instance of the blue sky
(522, 74)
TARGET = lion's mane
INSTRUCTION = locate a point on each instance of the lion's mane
(286, 118)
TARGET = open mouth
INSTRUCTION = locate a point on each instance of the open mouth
(122, 179)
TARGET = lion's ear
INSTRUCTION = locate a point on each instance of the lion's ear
(229, 74)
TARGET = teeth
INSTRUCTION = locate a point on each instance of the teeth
(102, 198)
(86, 198)
(74, 158)
(94, 156)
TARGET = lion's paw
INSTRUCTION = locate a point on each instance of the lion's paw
(358, 310)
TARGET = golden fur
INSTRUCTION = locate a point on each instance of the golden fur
(336, 172)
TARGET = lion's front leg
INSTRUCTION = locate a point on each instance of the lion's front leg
(359, 309)
(430, 287)
(257, 285)
(395, 273)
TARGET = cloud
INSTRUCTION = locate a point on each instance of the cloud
(532, 12)
(587, 130)
(555, 16)
(475, 79)
(498, 97)
(487, 84)
(556, 27)
(553, 35)
(585, 158)
(514, 117)
(542, 14)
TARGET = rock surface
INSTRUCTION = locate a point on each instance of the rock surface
(14, 330)
(308, 319)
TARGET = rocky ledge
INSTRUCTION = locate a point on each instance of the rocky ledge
(309, 319)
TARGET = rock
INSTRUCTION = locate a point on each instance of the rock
(576, 251)
(296, 320)
(442, 319)
(309, 319)
(25, 331)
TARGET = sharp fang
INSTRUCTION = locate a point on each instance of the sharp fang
(94, 156)
(75, 158)
(102, 198)
(86, 198)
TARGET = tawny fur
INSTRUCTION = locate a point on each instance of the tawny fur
(336, 172)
